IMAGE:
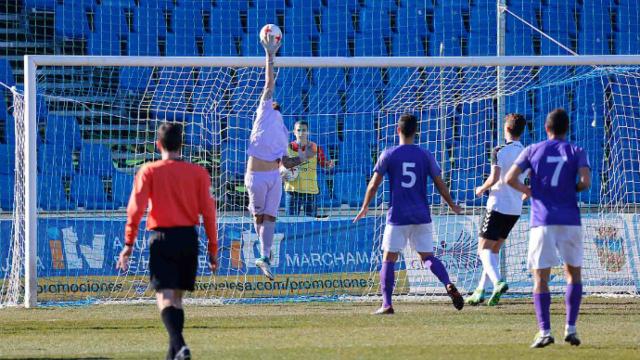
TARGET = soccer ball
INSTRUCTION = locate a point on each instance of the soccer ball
(270, 36)
(289, 174)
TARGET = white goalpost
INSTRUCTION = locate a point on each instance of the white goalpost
(66, 233)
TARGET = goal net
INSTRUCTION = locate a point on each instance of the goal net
(96, 126)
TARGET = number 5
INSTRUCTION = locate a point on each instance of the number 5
(556, 173)
(406, 172)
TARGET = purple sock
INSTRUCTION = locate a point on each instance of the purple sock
(437, 268)
(542, 304)
(572, 299)
(387, 281)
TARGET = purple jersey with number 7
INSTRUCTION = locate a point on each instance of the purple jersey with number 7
(408, 167)
(554, 168)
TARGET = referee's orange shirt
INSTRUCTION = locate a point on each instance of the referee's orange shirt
(177, 192)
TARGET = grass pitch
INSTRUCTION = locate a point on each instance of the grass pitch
(609, 329)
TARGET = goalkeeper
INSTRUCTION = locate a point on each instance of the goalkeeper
(267, 151)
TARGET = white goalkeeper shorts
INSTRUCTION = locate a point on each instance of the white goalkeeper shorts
(552, 245)
(419, 236)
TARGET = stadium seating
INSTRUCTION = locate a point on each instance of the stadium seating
(337, 22)
(95, 160)
(55, 159)
(110, 19)
(329, 79)
(51, 193)
(182, 44)
(372, 20)
(226, 18)
(188, 20)
(251, 45)
(324, 102)
(354, 158)
(362, 100)
(40, 5)
(135, 79)
(300, 20)
(370, 44)
(323, 129)
(88, 192)
(6, 191)
(150, 21)
(357, 129)
(121, 185)
(143, 44)
(349, 187)
(223, 44)
(403, 45)
(7, 157)
(63, 131)
(71, 21)
(334, 44)
(296, 45)
(107, 43)
(234, 160)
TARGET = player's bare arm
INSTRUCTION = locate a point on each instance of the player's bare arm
(123, 258)
(493, 178)
(584, 183)
(513, 179)
(372, 188)
(446, 195)
(303, 156)
(267, 93)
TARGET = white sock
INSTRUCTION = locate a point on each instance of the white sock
(485, 257)
(482, 284)
(568, 329)
(545, 332)
(495, 261)
(266, 237)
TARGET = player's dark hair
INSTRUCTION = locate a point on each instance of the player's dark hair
(558, 122)
(170, 136)
(408, 124)
(275, 105)
(302, 123)
(515, 124)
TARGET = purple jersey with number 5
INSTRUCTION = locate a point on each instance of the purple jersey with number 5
(408, 167)
(554, 168)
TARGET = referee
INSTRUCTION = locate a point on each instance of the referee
(177, 192)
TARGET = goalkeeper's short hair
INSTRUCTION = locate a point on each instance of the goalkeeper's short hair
(170, 136)
(558, 122)
(515, 124)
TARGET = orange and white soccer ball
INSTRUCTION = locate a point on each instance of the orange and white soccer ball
(270, 37)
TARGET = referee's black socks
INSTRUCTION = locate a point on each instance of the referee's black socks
(173, 319)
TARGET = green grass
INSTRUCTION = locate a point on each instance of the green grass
(609, 328)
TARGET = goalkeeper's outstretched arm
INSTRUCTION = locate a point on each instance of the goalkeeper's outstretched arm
(270, 83)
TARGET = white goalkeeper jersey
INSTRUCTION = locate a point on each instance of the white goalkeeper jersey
(503, 198)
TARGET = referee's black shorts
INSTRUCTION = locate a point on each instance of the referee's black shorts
(496, 226)
(173, 258)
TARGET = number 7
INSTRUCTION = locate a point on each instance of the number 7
(556, 173)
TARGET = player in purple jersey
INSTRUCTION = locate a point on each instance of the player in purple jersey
(554, 165)
(409, 219)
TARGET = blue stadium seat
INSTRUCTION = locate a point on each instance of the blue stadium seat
(559, 18)
(315, 5)
(594, 44)
(121, 186)
(6, 192)
(399, 77)
(323, 129)
(349, 187)
(71, 21)
(296, 45)
(412, 21)
(232, 5)
(149, 20)
(7, 159)
(329, 79)
(463, 184)
(526, 9)
(55, 159)
(121, 3)
(595, 18)
(63, 131)
(361, 100)
(157, 4)
(202, 132)
(366, 78)
(334, 44)
(182, 44)
(107, 43)
(234, 159)
(481, 44)
(408, 45)
(110, 20)
(51, 193)
(359, 129)
(188, 20)
(354, 158)
(370, 44)
(257, 18)
(238, 128)
(251, 45)
(95, 159)
(209, 91)
(324, 102)
(452, 45)
(290, 100)
(88, 192)
(40, 5)
(483, 19)
(223, 44)
(386, 5)
(142, 45)
(227, 21)
(300, 20)
(135, 79)
(337, 21)
(627, 43)
(448, 20)
(325, 197)
(6, 73)
(374, 20)
(269, 4)
(343, 5)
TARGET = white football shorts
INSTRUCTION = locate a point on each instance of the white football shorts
(550, 245)
(419, 236)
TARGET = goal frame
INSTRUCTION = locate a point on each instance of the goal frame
(32, 62)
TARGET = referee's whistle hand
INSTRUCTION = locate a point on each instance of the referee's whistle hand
(213, 264)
